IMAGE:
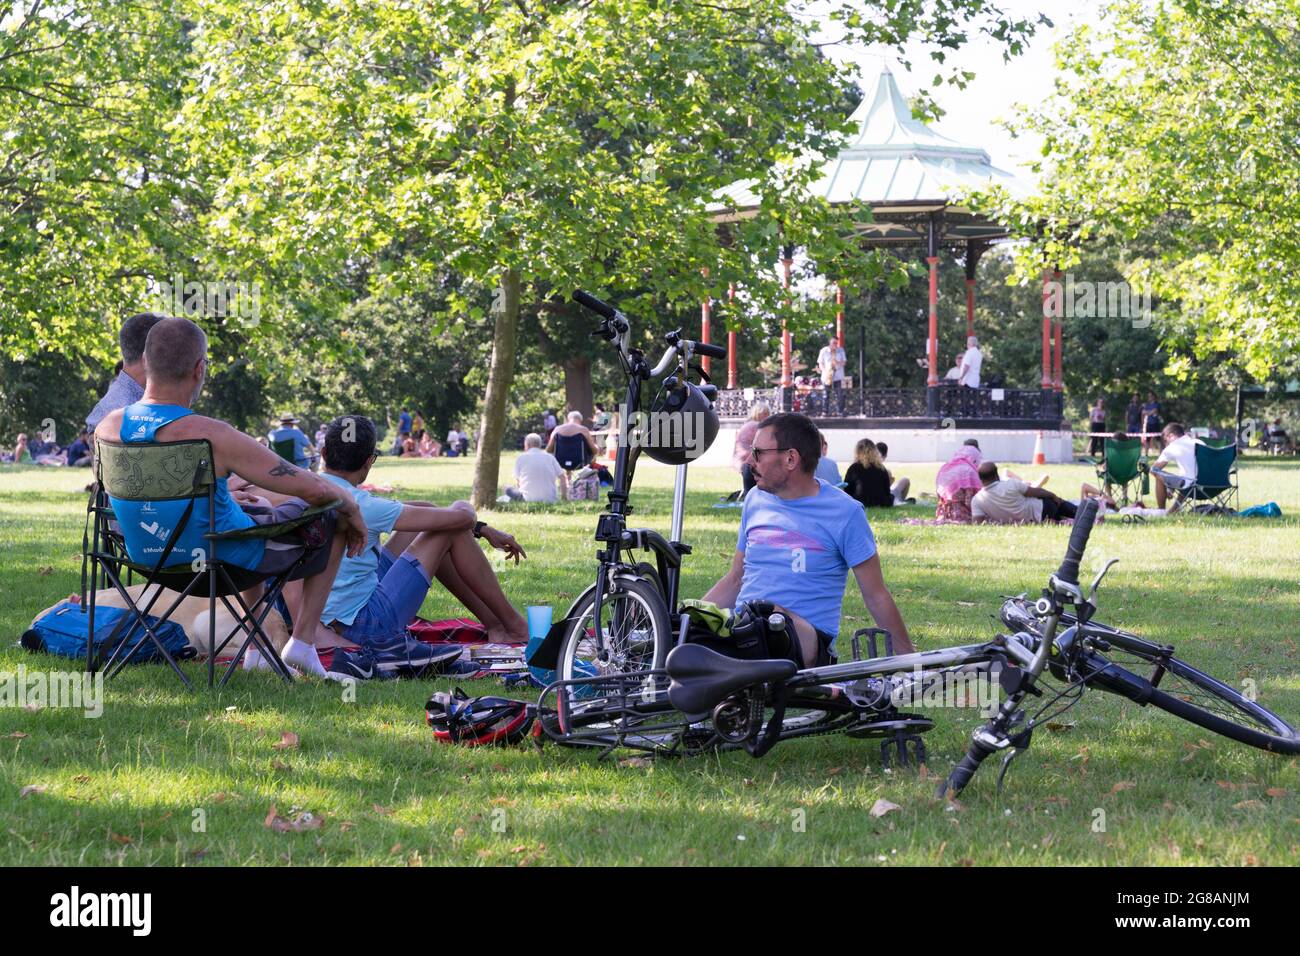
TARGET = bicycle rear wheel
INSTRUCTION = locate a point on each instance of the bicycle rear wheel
(1198, 698)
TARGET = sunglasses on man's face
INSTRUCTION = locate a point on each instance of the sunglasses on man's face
(758, 452)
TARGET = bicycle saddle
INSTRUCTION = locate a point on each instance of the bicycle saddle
(701, 678)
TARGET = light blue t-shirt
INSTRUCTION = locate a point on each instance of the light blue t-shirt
(798, 552)
(300, 443)
(828, 471)
(358, 577)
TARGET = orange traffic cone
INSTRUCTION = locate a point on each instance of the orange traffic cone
(1039, 457)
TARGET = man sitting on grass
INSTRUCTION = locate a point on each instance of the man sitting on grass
(379, 592)
(799, 538)
(175, 361)
(536, 474)
(1013, 500)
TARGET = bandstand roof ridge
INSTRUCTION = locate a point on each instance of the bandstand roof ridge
(902, 169)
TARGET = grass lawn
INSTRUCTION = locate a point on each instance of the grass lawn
(166, 777)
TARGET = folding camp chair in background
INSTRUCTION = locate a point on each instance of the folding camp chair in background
(1216, 480)
(180, 471)
(285, 448)
(1122, 468)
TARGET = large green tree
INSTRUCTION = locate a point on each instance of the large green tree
(1173, 125)
(526, 147)
(93, 198)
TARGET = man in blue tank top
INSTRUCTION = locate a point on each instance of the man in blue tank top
(799, 539)
(175, 359)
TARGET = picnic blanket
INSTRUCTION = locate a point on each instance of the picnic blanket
(479, 658)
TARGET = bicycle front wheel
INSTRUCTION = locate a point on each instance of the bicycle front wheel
(634, 632)
(1198, 698)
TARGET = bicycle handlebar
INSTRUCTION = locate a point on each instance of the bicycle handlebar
(712, 351)
(603, 309)
(962, 773)
(1083, 521)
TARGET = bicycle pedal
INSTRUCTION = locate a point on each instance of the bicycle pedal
(909, 748)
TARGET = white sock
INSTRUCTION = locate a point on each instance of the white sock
(253, 660)
(303, 656)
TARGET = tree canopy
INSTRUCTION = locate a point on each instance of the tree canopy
(1174, 125)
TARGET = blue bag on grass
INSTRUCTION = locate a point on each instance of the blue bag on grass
(64, 628)
(1270, 510)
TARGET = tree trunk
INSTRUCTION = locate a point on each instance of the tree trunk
(501, 374)
(577, 385)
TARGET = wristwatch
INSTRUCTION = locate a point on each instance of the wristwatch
(478, 528)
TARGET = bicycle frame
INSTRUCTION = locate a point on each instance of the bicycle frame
(611, 526)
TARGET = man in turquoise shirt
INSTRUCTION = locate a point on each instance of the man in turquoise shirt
(379, 592)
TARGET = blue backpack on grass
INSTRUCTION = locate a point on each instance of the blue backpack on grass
(64, 629)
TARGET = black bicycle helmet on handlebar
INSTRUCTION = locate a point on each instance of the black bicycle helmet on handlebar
(682, 426)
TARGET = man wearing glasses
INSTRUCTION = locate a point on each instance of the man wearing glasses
(799, 538)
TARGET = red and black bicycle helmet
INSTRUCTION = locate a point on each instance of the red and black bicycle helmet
(457, 718)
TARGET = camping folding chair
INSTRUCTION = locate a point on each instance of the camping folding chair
(1216, 480)
(180, 471)
(285, 448)
(1122, 467)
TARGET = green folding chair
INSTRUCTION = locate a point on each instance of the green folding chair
(173, 471)
(1122, 468)
(1216, 480)
(284, 447)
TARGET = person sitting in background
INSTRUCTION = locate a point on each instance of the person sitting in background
(572, 444)
(902, 486)
(409, 449)
(79, 453)
(430, 447)
(536, 473)
(21, 455)
(46, 452)
(744, 441)
(128, 387)
(1277, 440)
(462, 443)
(827, 470)
(303, 450)
(1013, 501)
(869, 481)
(1179, 449)
(953, 374)
(957, 483)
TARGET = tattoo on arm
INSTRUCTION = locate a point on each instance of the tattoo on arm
(283, 470)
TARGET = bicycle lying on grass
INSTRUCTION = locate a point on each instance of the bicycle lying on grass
(701, 700)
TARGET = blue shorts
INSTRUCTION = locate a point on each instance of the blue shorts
(394, 603)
